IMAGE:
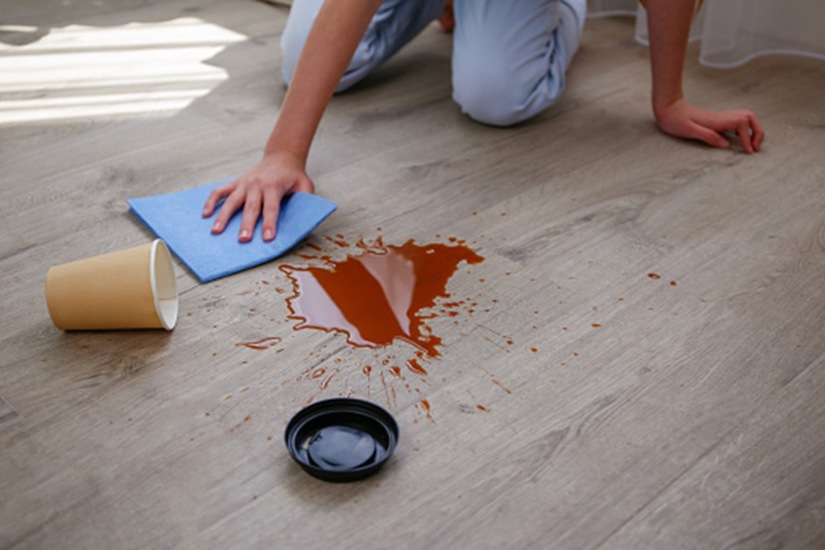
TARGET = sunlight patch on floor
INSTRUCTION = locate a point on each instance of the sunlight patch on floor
(83, 72)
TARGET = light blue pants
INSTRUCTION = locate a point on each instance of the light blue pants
(509, 56)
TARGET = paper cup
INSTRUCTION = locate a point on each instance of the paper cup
(128, 289)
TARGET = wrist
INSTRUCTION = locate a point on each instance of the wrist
(662, 104)
(288, 149)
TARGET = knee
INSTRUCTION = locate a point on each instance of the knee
(492, 96)
(504, 93)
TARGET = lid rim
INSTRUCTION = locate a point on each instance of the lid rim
(383, 429)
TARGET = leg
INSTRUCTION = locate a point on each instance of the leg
(510, 58)
(396, 23)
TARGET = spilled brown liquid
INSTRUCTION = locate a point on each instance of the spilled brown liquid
(264, 343)
(378, 295)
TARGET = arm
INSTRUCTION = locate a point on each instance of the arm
(334, 36)
(669, 28)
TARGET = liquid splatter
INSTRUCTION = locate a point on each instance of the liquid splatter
(502, 386)
(384, 300)
(264, 343)
(318, 373)
(378, 296)
(325, 384)
(416, 367)
(425, 405)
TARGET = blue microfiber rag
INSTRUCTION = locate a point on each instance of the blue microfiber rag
(177, 219)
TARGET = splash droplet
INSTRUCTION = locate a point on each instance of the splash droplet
(264, 343)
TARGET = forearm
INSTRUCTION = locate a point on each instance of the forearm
(669, 28)
(336, 33)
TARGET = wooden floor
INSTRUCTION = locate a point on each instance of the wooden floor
(679, 412)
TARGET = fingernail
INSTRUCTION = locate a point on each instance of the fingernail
(216, 227)
(245, 233)
(268, 234)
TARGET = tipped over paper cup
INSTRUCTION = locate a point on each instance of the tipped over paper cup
(128, 289)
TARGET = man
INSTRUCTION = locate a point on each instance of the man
(509, 63)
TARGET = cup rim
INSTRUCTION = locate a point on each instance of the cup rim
(163, 284)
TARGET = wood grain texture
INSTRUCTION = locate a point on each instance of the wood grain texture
(582, 404)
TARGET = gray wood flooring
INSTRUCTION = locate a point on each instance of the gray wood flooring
(584, 404)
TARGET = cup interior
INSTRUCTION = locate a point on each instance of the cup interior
(164, 284)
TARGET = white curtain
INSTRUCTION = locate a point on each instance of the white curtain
(735, 31)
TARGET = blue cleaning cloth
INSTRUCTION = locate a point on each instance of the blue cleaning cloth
(177, 219)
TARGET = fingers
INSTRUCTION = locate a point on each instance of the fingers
(229, 194)
(258, 192)
(271, 209)
(743, 130)
(747, 128)
(743, 123)
(251, 212)
(217, 194)
(232, 203)
(272, 205)
(758, 132)
(712, 138)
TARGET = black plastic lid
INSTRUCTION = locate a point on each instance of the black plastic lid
(341, 439)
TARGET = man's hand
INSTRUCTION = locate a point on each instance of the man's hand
(681, 119)
(259, 191)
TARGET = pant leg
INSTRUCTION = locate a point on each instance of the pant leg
(396, 23)
(510, 57)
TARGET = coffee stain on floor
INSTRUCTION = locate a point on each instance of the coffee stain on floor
(385, 305)
(382, 297)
